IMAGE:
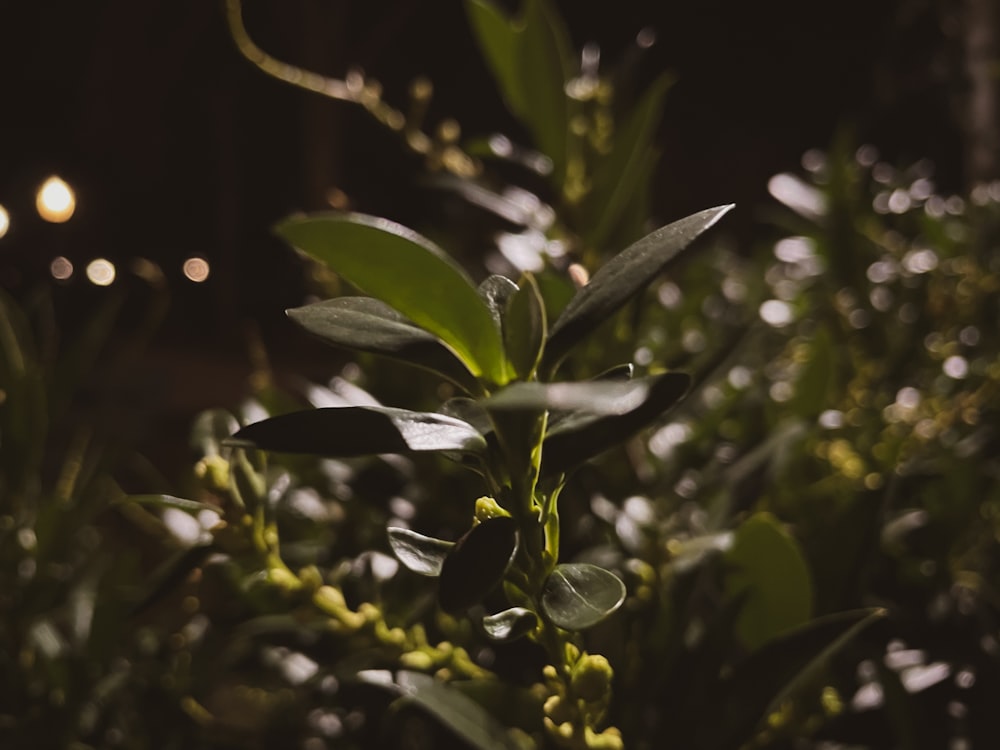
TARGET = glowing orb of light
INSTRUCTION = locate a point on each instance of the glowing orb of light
(196, 269)
(55, 200)
(101, 272)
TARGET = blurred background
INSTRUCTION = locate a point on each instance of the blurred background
(142, 152)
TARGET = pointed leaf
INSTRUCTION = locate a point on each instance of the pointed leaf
(421, 554)
(510, 624)
(588, 397)
(410, 274)
(764, 680)
(579, 595)
(495, 291)
(578, 437)
(524, 328)
(772, 576)
(169, 501)
(477, 563)
(368, 325)
(459, 713)
(530, 60)
(619, 176)
(620, 279)
(359, 431)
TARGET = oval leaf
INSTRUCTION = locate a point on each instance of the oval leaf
(421, 554)
(620, 279)
(578, 437)
(579, 595)
(369, 325)
(359, 431)
(772, 576)
(524, 328)
(477, 563)
(510, 624)
(410, 274)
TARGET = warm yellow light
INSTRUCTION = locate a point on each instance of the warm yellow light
(196, 269)
(101, 272)
(61, 268)
(4, 221)
(55, 201)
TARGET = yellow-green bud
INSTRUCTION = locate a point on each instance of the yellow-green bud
(557, 709)
(487, 508)
(609, 739)
(591, 680)
(214, 472)
(418, 660)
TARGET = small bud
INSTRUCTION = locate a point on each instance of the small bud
(591, 680)
(609, 739)
(556, 709)
(417, 660)
(487, 508)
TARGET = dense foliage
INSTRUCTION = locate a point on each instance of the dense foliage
(626, 492)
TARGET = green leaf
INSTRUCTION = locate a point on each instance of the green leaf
(524, 328)
(455, 710)
(359, 431)
(817, 376)
(410, 274)
(169, 501)
(577, 437)
(588, 397)
(496, 291)
(531, 60)
(577, 596)
(369, 325)
(760, 683)
(421, 554)
(477, 563)
(771, 575)
(619, 177)
(620, 279)
(510, 624)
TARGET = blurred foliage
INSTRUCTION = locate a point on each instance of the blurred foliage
(808, 541)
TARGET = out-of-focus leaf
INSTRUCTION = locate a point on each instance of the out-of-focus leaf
(577, 596)
(619, 176)
(618, 372)
(762, 681)
(530, 57)
(24, 412)
(459, 713)
(477, 563)
(359, 431)
(578, 437)
(589, 397)
(771, 575)
(171, 573)
(496, 291)
(369, 325)
(421, 554)
(620, 279)
(169, 501)
(510, 624)
(210, 429)
(813, 384)
(524, 328)
(410, 274)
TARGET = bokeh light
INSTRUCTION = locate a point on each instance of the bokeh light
(55, 200)
(196, 269)
(61, 268)
(4, 221)
(101, 272)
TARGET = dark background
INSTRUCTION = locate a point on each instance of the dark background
(177, 146)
